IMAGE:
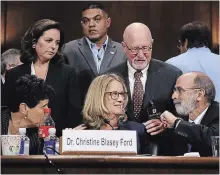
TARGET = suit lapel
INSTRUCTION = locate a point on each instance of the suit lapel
(53, 73)
(151, 84)
(209, 115)
(87, 54)
(108, 56)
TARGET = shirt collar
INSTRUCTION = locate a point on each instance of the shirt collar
(200, 117)
(91, 44)
(203, 49)
(3, 79)
(131, 70)
(32, 69)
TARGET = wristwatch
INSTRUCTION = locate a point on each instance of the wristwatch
(176, 122)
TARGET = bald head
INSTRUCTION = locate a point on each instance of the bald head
(136, 31)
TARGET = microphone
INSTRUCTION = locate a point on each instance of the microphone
(107, 121)
(50, 162)
(121, 119)
(151, 103)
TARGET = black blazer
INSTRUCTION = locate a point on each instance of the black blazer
(141, 134)
(65, 109)
(199, 136)
(78, 55)
(161, 79)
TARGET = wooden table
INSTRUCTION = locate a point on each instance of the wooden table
(98, 164)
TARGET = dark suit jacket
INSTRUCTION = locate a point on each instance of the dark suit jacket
(64, 106)
(2, 85)
(199, 136)
(78, 54)
(141, 134)
(161, 79)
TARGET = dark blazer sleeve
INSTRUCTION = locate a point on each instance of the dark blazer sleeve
(5, 117)
(74, 101)
(201, 134)
(10, 80)
(8, 88)
(198, 134)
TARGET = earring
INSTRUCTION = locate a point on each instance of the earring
(33, 46)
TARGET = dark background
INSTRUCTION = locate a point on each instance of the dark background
(163, 18)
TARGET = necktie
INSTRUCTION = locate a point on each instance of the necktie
(138, 93)
(189, 146)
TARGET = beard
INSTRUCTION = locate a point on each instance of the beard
(183, 108)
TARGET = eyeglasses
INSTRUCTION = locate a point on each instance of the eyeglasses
(114, 95)
(179, 90)
(135, 51)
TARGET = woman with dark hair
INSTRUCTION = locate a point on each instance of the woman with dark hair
(31, 96)
(40, 53)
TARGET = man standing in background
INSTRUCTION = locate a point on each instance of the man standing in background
(94, 53)
(195, 45)
(10, 59)
(150, 82)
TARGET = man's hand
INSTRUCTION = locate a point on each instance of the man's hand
(154, 126)
(168, 119)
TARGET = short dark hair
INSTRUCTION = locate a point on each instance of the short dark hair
(95, 5)
(8, 57)
(197, 34)
(33, 34)
(203, 81)
(30, 90)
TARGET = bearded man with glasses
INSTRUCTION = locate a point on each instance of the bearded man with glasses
(150, 82)
(193, 96)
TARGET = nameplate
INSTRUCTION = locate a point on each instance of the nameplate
(99, 142)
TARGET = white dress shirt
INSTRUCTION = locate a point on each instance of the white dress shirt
(131, 72)
(3, 79)
(33, 72)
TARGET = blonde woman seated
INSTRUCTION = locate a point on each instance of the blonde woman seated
(105, 106)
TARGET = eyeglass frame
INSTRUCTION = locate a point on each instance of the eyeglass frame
(121, 93)
(132, 50)
(179, 89)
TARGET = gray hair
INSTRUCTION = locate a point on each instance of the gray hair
(204, 82)
(8, 57)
